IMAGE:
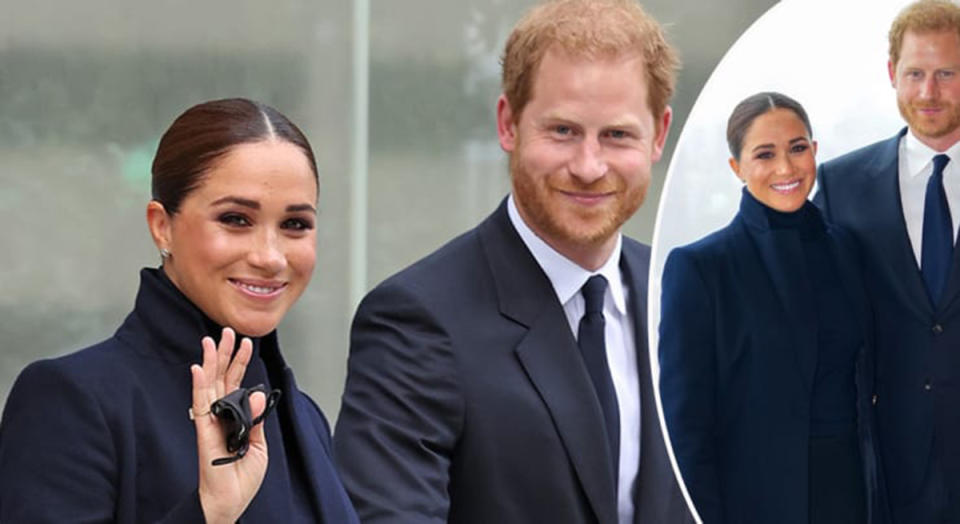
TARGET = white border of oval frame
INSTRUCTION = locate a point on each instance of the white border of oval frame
(829, 55)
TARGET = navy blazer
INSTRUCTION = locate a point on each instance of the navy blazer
(918, 344)
(102, 435)
(467, 400)
(738, 356)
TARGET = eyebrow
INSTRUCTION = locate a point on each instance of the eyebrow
(792, 141)
(295, 208)
(245, 202)
(556, 117)
(628, 123)
(253, 204)
(553, 119)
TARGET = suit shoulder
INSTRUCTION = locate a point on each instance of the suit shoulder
(636, 249)
(855, 159)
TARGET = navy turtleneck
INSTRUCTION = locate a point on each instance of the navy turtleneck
(835, 476)
(839, 337)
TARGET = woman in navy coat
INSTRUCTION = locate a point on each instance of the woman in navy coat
(103, 434)
(763, 330)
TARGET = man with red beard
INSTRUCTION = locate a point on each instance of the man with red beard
(901, 198)
(505, 378)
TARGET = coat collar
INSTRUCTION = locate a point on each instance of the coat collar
(174, 324)
(781, 251)
(807, 220)
(174, 327)
(779, 245)
(550, 357)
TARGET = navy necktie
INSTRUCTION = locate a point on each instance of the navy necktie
(937, 245)
(593, 348)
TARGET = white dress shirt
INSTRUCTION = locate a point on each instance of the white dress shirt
(567, 278)
(915, 168)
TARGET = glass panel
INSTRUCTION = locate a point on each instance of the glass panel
(88, 88)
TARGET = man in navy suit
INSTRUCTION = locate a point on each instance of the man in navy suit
(901, 199)
(478, 389)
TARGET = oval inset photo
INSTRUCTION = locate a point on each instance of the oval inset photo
(776, 314)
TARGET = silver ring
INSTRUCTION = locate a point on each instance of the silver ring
(194, 416)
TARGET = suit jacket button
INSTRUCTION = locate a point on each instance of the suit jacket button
(937, 329)
(928, 386)
(874, 399)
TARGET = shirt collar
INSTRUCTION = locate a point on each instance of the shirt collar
(565, 275)
(920, 155)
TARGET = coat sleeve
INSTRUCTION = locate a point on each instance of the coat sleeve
(688, 376)
(58, 456)
(402, 411)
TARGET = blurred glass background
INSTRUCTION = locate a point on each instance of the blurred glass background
(397, 97)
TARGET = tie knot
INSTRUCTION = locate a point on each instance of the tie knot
(939, 162)
(593, 292)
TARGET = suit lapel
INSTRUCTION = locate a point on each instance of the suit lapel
(881, 191)
(635, 269)
(635, 273)
(550, 357)
(952, 294)
(653, 489)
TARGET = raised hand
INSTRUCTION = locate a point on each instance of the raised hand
(226, 490)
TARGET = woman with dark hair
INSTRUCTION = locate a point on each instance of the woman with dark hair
(105, 434)
(765, 369)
